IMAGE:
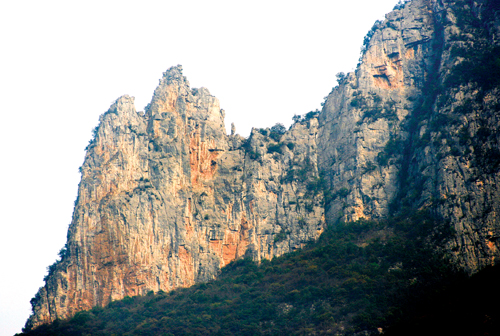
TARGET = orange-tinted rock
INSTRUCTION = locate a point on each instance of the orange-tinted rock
(167, 199)
(399, 133)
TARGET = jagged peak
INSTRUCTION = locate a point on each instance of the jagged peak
(124, 100)
(203, 91)
(123, 105)
(173, 70)
(174, 75)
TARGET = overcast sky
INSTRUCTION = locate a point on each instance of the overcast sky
(62, 64)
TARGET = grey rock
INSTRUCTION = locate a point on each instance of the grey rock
(167, 198)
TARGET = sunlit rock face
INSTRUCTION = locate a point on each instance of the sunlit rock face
(416, 126)
(167, 199)
(370, 107)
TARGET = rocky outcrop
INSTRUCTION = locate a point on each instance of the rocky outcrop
(415, 127)
(368, 111)
(167, 199)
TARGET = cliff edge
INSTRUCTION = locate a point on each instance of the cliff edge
(167, 198)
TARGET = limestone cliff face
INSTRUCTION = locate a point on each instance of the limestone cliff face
(416, 126)
(369, 108)
(167, 198)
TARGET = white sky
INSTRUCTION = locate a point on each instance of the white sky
(62, 63)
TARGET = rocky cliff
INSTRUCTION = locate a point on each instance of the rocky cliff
(416, 126)
(167, 198)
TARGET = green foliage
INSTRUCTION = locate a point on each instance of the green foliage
(363, 274)
(302, 174)
(263, 131)
(368, 37)
(308, 116)
(393, 147)
(275, 148)
(373, 114)
(247, 144)
(316, 186)
(341, 193)
(479, 58)
(340, 77)
(369, 166)
(247, 147)
(401, 4)
(280, 236)
(476, 65)
(480, 66)
(325, 99)
(309, 205)
(95, 131)
(63, 252)
(358, 101)
(254, 156)
(311, 114)
(50, 270)
(377, 110)
(82, 318)
(34, 301)
(92, 141)
(277, 131)
(466, 306)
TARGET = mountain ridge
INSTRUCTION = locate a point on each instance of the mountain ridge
(167, 198)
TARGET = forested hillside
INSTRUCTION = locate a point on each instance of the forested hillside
(360, 276)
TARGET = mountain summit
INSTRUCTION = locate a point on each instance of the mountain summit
(167, 198)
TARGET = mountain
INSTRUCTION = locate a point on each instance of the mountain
(416, 126)
(167, 198)
(359, 278)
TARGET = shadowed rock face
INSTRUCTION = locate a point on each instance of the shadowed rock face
(416, 126)
(167, 198)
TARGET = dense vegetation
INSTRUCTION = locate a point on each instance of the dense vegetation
(358, 276)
